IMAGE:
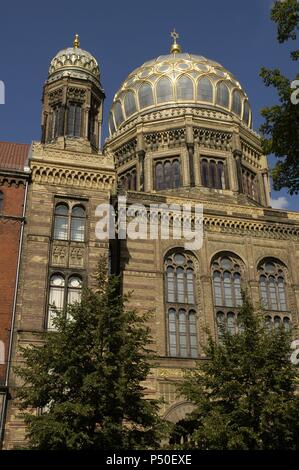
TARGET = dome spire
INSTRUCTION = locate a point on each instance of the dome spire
(175, 47)
(76, 41)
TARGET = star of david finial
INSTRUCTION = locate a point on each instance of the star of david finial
(175, 48)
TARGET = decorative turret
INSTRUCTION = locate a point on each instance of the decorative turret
(73, 100)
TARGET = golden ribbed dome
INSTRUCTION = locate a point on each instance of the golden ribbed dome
(74, 62)
(178, 80)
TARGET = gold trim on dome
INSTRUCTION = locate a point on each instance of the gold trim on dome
(175, 66)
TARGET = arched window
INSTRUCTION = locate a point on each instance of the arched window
(74, 289)
(159, 180)
(62, 293)
(61, 222)
(78, 223)
(250, 184)
(111, 123)
(145, 94)
(56, 297)
(237, 102)
(276, 322)
(213, 173)
(69, 224)
(180, 305)
(272, 285)
(164, 90)
(185, 88)
(226, 276)
(167, 174)
(222, 95)
(246, 113)
(204, 172)
(56, 126)
(205, 90)
(118, 114)
(130, 103)
(74, 120)
(129, 179)
(1, 201)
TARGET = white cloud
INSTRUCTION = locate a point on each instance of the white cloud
(280, 203)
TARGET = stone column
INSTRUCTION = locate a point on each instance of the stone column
(237, 158)
(266, 188)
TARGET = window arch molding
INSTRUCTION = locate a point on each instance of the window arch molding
(180, 297)
(179, 249)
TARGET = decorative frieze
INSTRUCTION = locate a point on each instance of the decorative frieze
(250, 155)
(213, 139)
(71, 177)
(126, 152)
(165, 139)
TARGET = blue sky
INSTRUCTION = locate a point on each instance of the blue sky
(123, 35)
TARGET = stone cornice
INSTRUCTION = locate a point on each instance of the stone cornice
(71, 158)
(160, 116)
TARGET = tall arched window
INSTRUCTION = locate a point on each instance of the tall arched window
(164, 90)
(74, 116)
(1, 201)
(213, 173)
(205, 90)
(180, 305)
(61, 222)
(237, 102)
(56, 297)
(130, 103)
(226, 276)
(184, 86)
(129, 179)
(145, 94)
(272, 285)
(78, 223)
(56, 122)
(69, 223)
(167, 174)
(62, 292)
(246, 113)
(222, 95)
(111, 123)
(118, 113)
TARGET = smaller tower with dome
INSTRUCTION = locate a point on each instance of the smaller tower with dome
(73, 100)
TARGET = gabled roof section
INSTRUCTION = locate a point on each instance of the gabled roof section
(13, 156)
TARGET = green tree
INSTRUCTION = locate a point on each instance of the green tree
(86, 376)
(244, 394)
(281, 127)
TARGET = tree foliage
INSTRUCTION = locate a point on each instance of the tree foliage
(86, 376)
(244, 394)
(281, 127)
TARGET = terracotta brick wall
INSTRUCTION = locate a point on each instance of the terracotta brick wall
(9, 244)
